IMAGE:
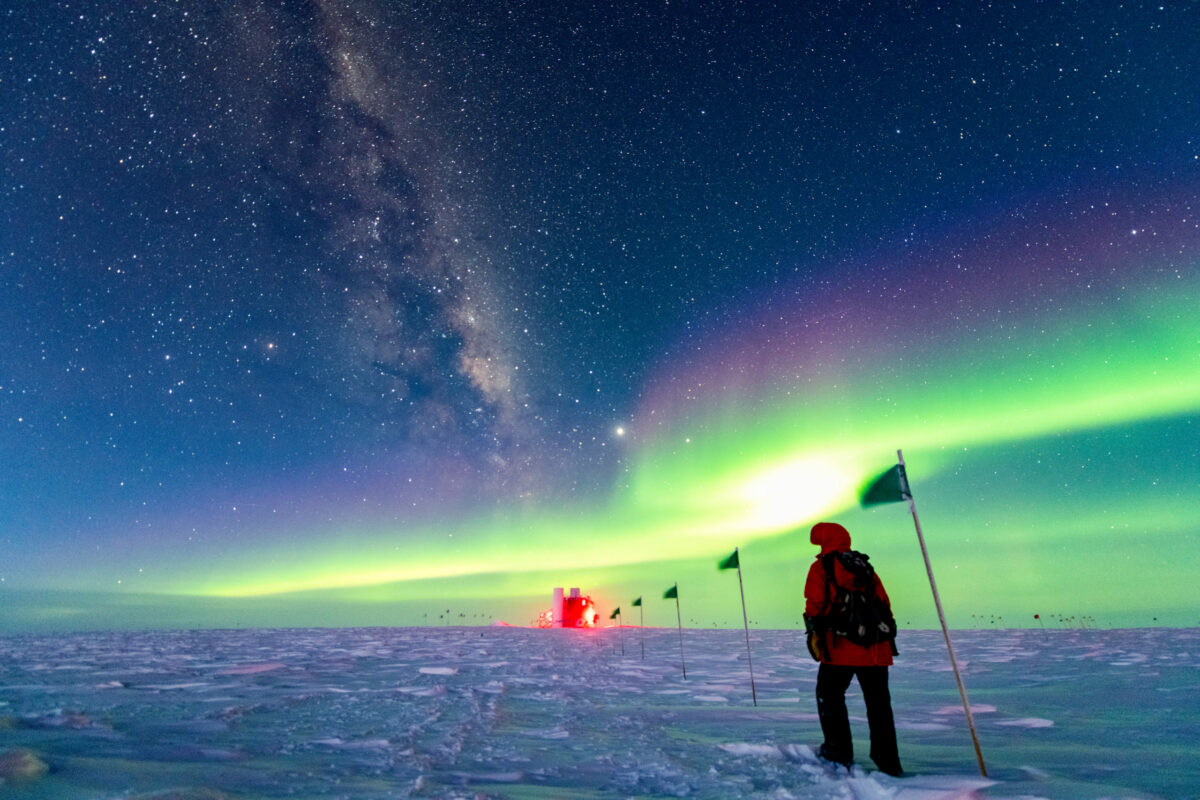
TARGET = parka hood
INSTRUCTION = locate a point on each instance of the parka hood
(830, 537)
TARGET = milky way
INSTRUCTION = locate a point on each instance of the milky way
(419, 323)
(339, 312)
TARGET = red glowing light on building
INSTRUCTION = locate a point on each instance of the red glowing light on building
(575, 611)
(578, 612)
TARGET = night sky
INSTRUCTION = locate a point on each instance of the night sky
(374, 313)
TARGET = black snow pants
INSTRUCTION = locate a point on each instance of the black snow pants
(832, 682)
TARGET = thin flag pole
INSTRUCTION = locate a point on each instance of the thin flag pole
(937, 601)
(616, 614)
(642, 627)
(730, 563)
(746, 620)
(679, 616)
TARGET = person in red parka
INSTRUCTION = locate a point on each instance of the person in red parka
(841, 660)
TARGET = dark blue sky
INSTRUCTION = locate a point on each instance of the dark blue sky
(326, 257)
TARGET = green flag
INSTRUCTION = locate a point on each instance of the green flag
(890, 487)
(637, 602)
(731, 562)
(672, 592)
(614, 614)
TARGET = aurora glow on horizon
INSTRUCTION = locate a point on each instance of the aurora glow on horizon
(461, 326)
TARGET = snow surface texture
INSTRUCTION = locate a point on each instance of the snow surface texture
(511, 712)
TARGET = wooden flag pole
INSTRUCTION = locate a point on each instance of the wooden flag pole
(679, 616)
(937, 601)
(746, 620)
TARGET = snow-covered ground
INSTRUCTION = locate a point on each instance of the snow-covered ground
(510, 712)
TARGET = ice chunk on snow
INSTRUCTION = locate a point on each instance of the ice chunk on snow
(548, 733)
(422, 691)
(251, 669)
(357, 744)
(1028, 722)
(1130, 659)
(932, 787)
(976, 708)
(438, 670)
(492, 777)
(748, 749)
(797, 752)
(20, 765)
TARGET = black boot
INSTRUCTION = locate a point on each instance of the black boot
(825, 754)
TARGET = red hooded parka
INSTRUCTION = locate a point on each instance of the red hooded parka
(832, 537)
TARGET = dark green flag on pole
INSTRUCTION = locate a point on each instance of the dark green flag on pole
(733, 562)
(673, 592)
(892, 487)
(641, 624)
(620, 637)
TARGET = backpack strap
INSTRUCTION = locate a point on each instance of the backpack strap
(830, 580)
(830, 589)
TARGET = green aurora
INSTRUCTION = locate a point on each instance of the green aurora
(364, 313)
(1054, 472)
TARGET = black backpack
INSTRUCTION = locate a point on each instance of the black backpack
(856, 613)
